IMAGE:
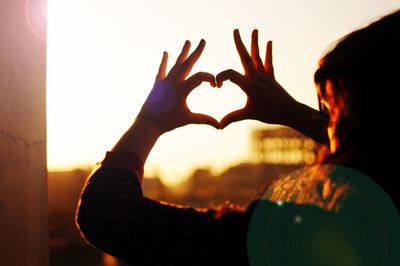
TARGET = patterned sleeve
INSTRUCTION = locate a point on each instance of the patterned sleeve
(114, 216)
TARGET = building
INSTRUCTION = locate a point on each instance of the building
(284, 146)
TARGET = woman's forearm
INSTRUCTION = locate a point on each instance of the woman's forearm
(309, 122)
(139, 139)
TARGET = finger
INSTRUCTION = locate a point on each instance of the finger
(269, 67)
(184, 53)
(255, 52)
(162, 70)
(235, 116)
(204, 119)
(195, 81)
(234, 77)
(243, 54)
(181, 58)
(192, 59)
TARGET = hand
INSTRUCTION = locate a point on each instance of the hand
(267, 100)
(166, 107)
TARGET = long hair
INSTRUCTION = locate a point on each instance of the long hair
(358, 79)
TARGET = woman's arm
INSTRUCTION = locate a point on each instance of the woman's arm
(113, 214)
(267, 100)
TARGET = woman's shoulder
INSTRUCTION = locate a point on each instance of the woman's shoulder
(329, 187)
(310, 185)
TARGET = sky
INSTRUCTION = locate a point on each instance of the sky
(103, 56)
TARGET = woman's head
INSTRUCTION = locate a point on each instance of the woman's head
(357, 80)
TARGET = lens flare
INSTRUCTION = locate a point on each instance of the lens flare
(36, 18)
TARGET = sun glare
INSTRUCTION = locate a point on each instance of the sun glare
(216, 102)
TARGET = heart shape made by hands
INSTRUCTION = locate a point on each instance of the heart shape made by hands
(216, 102)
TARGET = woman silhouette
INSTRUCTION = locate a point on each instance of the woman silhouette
(330, 214)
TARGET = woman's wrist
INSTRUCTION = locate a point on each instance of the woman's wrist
(289, 115)
(147, 125)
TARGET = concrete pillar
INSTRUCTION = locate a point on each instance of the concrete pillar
(23, 172)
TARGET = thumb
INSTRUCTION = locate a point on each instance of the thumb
(234, 116)
(204, 119)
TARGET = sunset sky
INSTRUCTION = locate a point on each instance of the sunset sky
(103, 56)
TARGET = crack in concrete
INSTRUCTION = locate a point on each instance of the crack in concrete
(26, 143)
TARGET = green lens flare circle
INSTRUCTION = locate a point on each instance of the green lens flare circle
(365, 230)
